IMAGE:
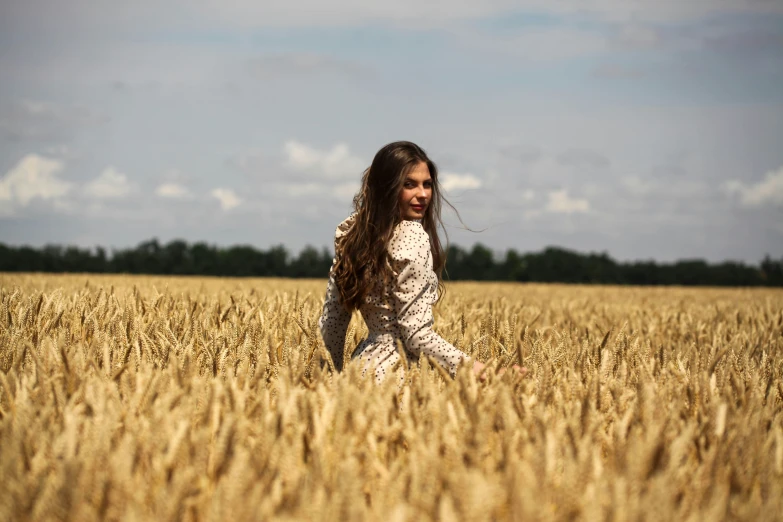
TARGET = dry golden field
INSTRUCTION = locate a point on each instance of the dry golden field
(151, 398)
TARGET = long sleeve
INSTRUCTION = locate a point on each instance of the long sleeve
(334, 319)
(333, 324)
(413, 296)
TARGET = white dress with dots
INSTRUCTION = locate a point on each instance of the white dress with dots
(403, 311)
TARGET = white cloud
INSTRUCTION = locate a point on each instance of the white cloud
(110, 184)
(32, 177)
(346, 191)
(335, 163)
(767, 191)
(172, 191)
(637, 186)
(227, 198)
(561, 203)
(453, 181)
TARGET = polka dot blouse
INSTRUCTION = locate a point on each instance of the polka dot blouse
(402, 312)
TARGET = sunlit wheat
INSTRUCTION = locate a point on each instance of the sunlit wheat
(148, 398)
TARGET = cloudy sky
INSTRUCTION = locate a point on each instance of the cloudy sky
(645, 129)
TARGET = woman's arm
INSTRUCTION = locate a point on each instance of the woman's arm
(412, 297)
(334, 319)
(333, 324)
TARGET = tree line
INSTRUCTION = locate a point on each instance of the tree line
(478, 263)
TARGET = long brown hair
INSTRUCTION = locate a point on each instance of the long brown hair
(363, 260)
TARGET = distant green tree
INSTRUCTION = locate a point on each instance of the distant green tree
(772, 271)
(553, 264)
(480, 263)
(513, 267)
(310, 263)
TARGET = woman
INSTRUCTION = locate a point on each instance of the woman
(388, 257)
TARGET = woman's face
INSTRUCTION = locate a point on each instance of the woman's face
(416, 192)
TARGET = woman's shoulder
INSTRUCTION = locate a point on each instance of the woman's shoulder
(409, 241)
(344, 226)
(410, 231)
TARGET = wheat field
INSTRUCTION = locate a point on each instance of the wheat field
(152, 398)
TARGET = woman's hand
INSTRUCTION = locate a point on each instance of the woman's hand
(479, 367)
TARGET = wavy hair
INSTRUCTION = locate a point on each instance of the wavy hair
(362, 256)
